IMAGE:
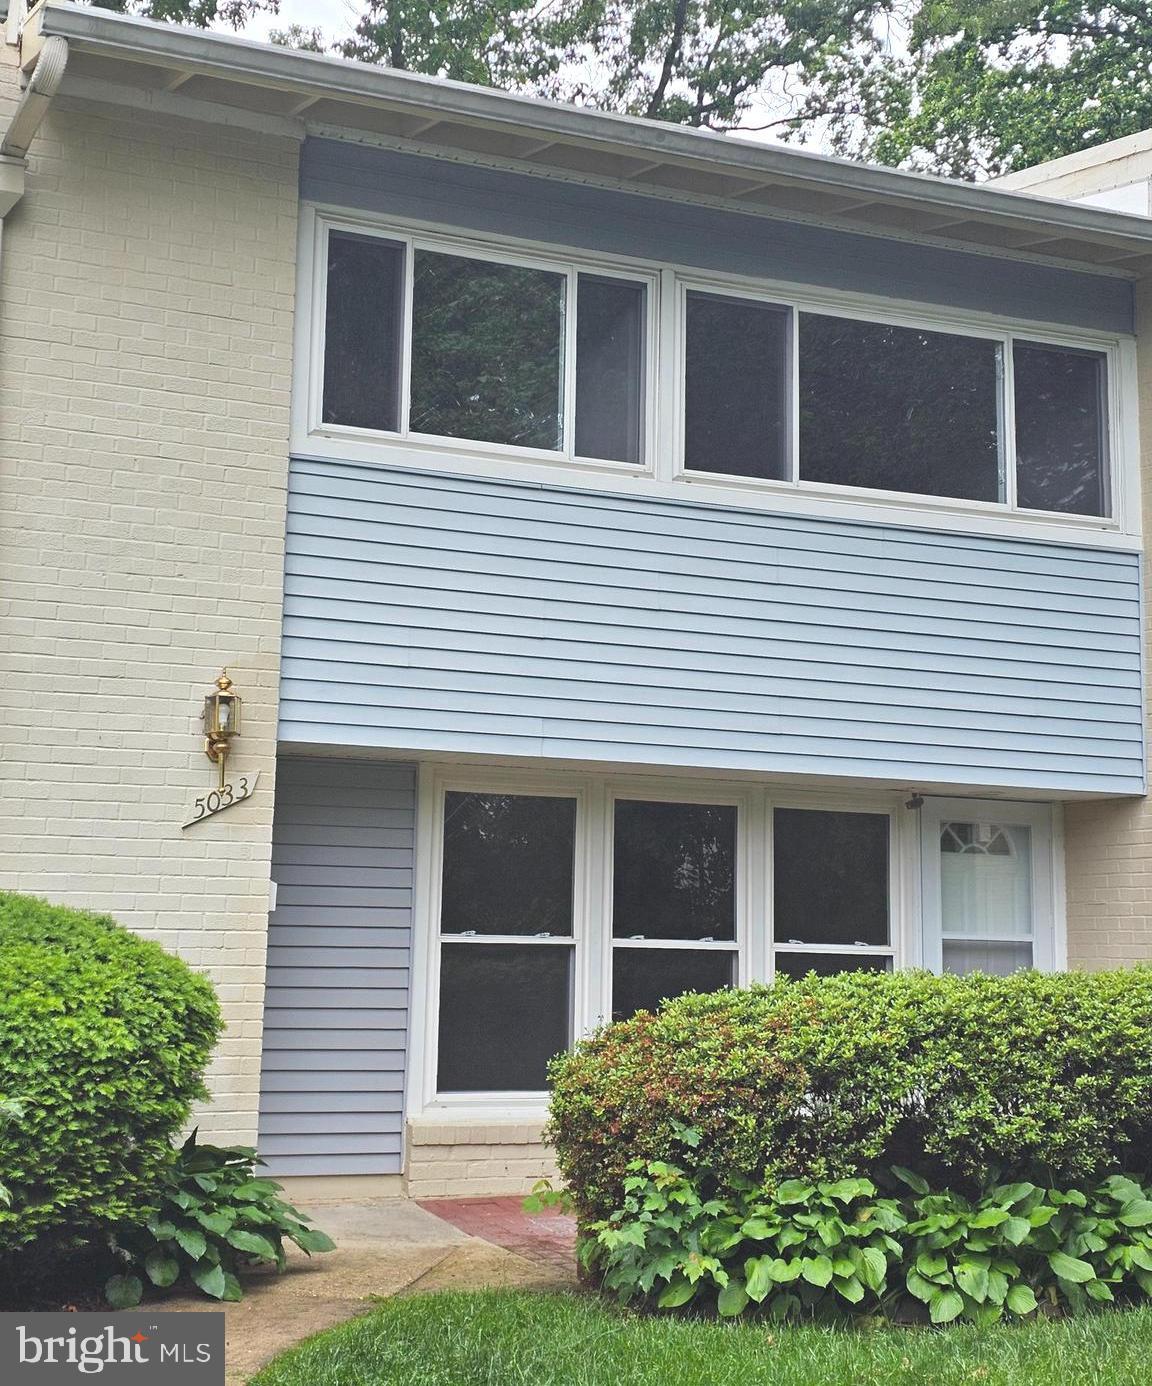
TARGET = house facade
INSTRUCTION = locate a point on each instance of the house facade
(649, 561)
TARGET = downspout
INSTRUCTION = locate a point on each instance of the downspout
(26, 120)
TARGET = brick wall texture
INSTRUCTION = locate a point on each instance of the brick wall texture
(1108, 843)
(148, 281)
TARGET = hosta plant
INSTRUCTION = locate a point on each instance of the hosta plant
(216, 1219)
(787, 1249)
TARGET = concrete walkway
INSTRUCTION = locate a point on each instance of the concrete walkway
(384, 1247)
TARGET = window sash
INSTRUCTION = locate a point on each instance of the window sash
(569, 270)
(663, 383)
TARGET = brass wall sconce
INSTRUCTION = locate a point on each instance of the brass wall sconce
(221, 721)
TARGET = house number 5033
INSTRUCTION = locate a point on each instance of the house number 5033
(226, 797)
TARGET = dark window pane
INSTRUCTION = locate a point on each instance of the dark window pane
(505, 1010)
(674, 871)
(486, 351)
(507, 864)
(827, 964)
(362, 331)
(735, 384)
(609, 368)
(831, 876)
(1060, 429)
(898, 408)
(643, 977)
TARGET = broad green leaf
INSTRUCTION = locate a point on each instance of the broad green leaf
(849, 1287)
(1138, 1213)
(676, 1293)
(1069, 1268)
(161, 1228)
(1015, 1230)
(921, 1288)
(161, 1268)
(844, 1190)
(914, 1181)
(1020, 1299)
(192, 1242)
(973, 1280)
(1097, 1289)
(945, 1305)
(794, 1191)
(997, 1286)
(312, 1239)
(759, 1277)
(817, 1270)
(210, 1279)
(873, 1268)
(216, 1223)
(931, 1263)
(990, 1217)
(251, 1242)
(755, 1228)
(732, 1300)
(123, 1291)
(233, 1290)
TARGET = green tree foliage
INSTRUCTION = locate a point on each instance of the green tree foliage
(973, 88)
(199, 13)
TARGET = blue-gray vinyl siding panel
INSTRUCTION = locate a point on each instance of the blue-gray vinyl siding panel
(552, 211)
(433, 613)
(339, 956)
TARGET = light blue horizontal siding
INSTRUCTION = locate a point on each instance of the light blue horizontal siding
(337, 982)
(554, 211)
(434, 613)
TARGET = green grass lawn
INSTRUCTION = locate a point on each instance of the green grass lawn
(508, 1338)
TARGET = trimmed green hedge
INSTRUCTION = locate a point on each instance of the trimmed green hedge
(104, 1038)
(960, 1079)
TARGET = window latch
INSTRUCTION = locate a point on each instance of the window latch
(467, 933)
(544, 933)
(638, 936)
(708, 938)
(800, 941)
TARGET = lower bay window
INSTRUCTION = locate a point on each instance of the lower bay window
(555, 907)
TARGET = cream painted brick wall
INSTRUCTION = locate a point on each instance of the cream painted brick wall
(147, 292)
(447, 1159)
(1109, 844)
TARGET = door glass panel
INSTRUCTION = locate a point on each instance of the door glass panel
(674, 871)
(487, 358)
(997, 959)
(508, 864)
(505, 1010)
(643, 977)
(831, 877)
(986, 880)
(825, 964)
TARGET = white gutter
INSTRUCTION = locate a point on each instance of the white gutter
(339, 79)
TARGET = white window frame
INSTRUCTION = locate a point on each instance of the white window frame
(1049, 946)
(592, 895)
(566, 267)
(661, 473)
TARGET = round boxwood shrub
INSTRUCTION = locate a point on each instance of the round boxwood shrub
(1044, 1076)
(103, 1042)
